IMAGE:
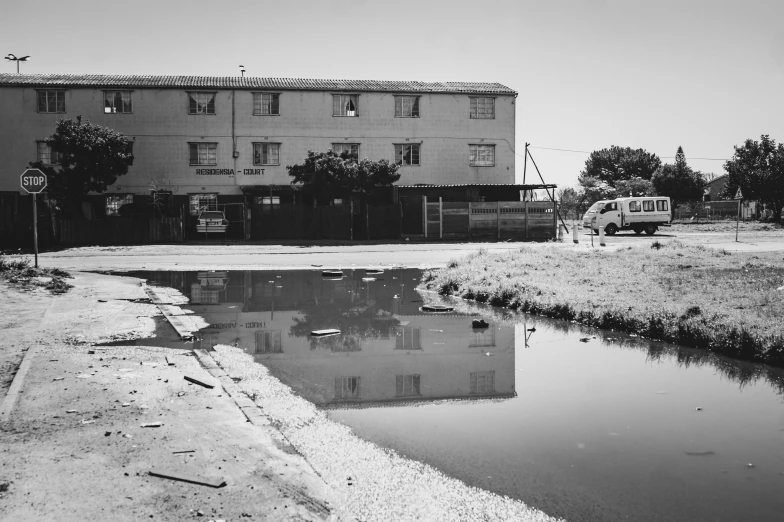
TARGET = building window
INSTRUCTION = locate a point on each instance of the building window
(483, 108)
(46, 154)
(51, 101)
(662, 206)
(203, 153)
(344, 105)
(113, 203)
(634, 206)
(115, 102)
(266, 153)
(482, 382)
(406, 154)
(484, 337)
(406, 106)
(407, 386)
(266, 104)
(408, 338)
(201, 103)
(647, 205)
(351, 148)
(481, 155)
(199, 202)
(268, 203)
(268, 341)
(346, 388)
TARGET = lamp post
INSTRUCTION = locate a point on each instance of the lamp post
(242, 70)
(13, 58)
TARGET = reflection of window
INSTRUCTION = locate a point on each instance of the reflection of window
(46, 154)
(199, 202)
(484, 337)
(201, 103)
(482, 382)
(346, 387)
(407, 386)
(51, 101)
(268, 341)
(481, 155)
(634, 206)
(117, 102)
(266, 104)
(662, 205)
(407, 154)
(266, 153)
(344, 105)
(647, 206)
(351, 148)
(407, 106)
(483, 108)
(203, 153)
(408, 338)
(113, 203)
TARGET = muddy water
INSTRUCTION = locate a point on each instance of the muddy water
(582, 424)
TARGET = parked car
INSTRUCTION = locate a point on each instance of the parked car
(641, 214)
(212, 221)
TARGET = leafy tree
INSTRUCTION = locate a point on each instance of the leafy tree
(678, 181)
(92, 157)
(593, 190)
(634, 187)
(620, 163)
(569, 203)
(328, 175)
(757, 167)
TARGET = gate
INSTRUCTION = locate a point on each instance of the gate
(412, 220)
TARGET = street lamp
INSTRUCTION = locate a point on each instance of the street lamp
(242, 70)
(13, 58)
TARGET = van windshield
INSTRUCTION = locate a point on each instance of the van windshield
(596, 207)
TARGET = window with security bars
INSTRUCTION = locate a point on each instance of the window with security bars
(203, 153)
(407, 154)
(266, 104)
(268, 203)
(408, 338)
(268, 341)
(200, 202)
(46, 155)
(484, 337)
(407, 386)
(201, 103)
(346, 388)
(266, 153)
(406, 106)
(351, 148)
(113, 203)
(481, 155)
(483, 108)
(482, 382)
(344, 105)
(117, 102)
(51, 101)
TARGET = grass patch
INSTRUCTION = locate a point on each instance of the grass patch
(725, 302)
(21, 274)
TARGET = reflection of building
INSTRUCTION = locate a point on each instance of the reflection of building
(388, 349)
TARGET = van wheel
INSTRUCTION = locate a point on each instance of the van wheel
(610, 229)
(638, 231)
(651, 229)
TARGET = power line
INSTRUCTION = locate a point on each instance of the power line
(663, 157)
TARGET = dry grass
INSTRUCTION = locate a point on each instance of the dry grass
(21, 274)
(727, 303)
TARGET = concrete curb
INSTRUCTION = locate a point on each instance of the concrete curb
(16, 385)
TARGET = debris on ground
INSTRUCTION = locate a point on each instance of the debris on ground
(193, 479)
(197, 381)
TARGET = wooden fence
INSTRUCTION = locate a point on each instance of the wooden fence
(119, 231)
(498, 220)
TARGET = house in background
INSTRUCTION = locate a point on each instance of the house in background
(718, 207)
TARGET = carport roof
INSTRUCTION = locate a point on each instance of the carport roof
(247, 82)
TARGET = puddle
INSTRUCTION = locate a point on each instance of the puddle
(583, 424)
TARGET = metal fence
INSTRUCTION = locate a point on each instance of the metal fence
(713, 210)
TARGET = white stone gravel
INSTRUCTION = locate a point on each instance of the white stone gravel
(378, 483)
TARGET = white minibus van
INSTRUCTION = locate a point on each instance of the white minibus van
(641, 214)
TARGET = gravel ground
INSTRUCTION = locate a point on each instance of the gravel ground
(378, 483)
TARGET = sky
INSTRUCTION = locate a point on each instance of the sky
(704, 75)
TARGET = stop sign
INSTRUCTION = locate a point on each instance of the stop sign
(33, 181)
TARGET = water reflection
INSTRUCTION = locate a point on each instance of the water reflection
(388, 350)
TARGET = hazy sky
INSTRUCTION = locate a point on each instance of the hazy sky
(653, 74)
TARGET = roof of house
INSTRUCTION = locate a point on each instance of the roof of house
(247, 82)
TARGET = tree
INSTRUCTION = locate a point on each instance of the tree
(328, 175)
(678, 181)
(569, 203)
(593, 190)
(91, 158)
(757, 167)
(620, 163)
(634, 187)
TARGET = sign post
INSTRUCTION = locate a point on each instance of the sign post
(34, 182)
(739, 197)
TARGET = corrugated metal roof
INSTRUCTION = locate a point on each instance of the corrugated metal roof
(238, 82)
